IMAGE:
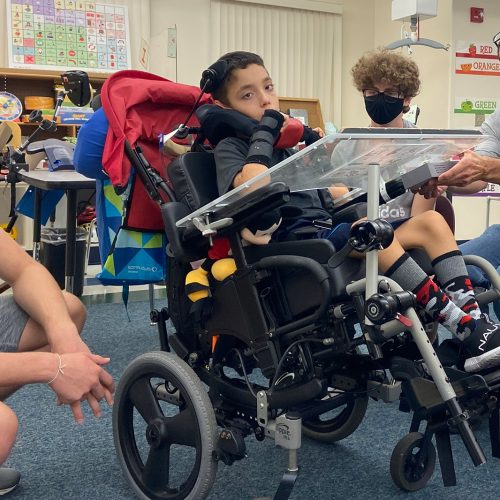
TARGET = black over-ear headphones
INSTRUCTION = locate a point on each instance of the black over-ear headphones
(213, 76)
(211, 79)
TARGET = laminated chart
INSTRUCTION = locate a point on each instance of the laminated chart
(62, 34)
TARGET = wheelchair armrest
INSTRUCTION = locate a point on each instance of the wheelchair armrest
(187, 243)
(172, 212)
(312, 267)
(254, 204)
(246, 209)
(35, 147)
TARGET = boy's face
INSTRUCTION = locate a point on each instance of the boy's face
(251, 92)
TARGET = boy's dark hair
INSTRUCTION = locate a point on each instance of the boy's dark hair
(235, 60)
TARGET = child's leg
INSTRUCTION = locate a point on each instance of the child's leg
(396, 264)
(431, 232)
(481, 337)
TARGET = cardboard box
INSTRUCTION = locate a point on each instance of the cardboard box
(75, 116)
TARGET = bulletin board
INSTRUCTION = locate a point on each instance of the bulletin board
(65, 34)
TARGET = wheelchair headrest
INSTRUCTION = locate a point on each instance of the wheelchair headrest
(194, 179)
(218, 123)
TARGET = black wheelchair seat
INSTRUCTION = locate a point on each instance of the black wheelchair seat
(296, 289)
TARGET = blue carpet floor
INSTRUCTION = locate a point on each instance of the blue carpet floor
(61, 460)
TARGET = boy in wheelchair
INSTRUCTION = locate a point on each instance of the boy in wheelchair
(242, 84)
(284, 312)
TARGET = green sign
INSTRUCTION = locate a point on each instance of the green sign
(475, 106)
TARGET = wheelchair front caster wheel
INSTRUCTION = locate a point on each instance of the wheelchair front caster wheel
(164, 429)
(411, 467)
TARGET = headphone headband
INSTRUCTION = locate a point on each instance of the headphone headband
(213, 77)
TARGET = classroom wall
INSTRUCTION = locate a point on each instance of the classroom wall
(358, 36)
(366, 24)
(434, 64)
(193, 43)
(440, 84)
(473, 212)
(3, 30)
(473, 86)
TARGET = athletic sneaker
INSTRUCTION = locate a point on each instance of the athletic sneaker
(482, 346)
(9, 479)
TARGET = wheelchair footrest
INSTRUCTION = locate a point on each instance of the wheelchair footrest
(423, 394)
(445, 455)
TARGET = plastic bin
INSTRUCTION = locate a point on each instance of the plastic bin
(53, 252)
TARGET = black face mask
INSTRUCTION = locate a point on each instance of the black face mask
(381, 111)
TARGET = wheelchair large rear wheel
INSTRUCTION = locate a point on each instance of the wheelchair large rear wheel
(164, 429)
(337, 424)
(409, 470)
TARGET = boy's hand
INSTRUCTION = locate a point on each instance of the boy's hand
(431, 189)
(427, 190)
(312, 135)
(285, 122)
(273, 121)
(338, 191)
(263, 139)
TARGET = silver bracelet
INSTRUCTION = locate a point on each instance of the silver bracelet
(59, 369)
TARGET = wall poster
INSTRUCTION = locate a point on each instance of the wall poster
(64, 34)
(475, 105)
(476, 58)
(490, 190)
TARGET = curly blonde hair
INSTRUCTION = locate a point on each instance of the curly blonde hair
(387, 68)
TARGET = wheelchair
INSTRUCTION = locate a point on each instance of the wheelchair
(297, 313)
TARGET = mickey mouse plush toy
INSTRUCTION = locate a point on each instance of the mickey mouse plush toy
(218, 265)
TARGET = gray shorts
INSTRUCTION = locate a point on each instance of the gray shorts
(13, 321)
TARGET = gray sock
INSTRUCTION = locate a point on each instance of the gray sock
(452, 274)
(410, 276)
